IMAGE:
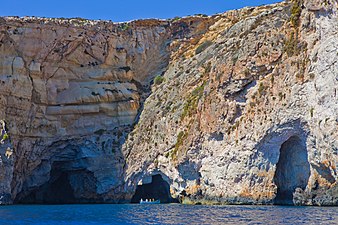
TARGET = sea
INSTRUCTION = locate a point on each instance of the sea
(165, 214)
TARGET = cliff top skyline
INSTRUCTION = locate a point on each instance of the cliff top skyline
(120, 11)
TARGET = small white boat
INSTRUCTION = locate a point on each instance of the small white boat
(150, 202)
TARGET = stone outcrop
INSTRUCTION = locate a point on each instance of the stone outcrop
(70, 92)
(249, 113)
(243, 108)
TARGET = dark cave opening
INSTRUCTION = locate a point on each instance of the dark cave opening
(58, 190)
(158, 189)
(292, 170)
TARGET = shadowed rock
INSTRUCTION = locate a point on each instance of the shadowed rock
(157, 189)
(293, 170)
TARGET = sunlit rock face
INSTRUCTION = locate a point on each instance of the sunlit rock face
(70, 92)
(245, 112)
(248, 114)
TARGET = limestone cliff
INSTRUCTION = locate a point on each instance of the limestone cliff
(246, 109)
(70, 92)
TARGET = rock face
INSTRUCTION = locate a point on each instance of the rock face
(246, 110)
(249, 113)
(70, 92)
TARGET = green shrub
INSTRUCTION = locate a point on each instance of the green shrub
(291, 45)
(280, 94)
(156, 162)
(203, 46)
(198, 92)
(201, 15)
(5, 137)
(296, 11)
(159, 80)
(247, 72)
(176, 19)
(125, 27)
(261, 89)
(180, 140)
(300, 76)
(190, 107)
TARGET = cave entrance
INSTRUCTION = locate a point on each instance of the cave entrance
(157, 189)
(292, 170)
(58, 190)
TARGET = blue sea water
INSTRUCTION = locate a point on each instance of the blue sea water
(165, 214)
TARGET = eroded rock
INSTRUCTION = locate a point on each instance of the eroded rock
(246, 111)
(260, 86)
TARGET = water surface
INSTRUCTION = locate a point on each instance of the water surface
(165, 214)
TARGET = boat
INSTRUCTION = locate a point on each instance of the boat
(150, 202)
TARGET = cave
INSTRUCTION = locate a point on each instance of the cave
(59, 189)
(157, 189)
(292, 170)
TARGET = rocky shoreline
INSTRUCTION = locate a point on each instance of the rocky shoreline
(235, 108)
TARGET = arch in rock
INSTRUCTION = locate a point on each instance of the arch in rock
(292, 170)
(60, 188)
(158, 188)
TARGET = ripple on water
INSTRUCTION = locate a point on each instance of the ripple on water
(165, 214)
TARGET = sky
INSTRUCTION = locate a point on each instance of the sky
(121, 10)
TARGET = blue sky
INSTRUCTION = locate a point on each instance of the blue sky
(123, 10)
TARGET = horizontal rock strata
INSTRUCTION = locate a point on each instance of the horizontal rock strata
(238, 108)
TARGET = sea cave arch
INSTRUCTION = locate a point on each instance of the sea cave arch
(62, 186)
(157, 189)
(292, 170)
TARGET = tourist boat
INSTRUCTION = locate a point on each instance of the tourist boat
(150, 202)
